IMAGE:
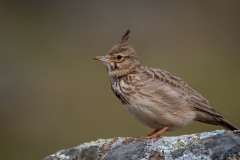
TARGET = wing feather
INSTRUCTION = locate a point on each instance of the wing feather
(193, 97)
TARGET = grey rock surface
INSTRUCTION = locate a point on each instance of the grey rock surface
(218, 144)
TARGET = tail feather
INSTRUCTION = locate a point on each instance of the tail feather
(227, 125)
(216, 119)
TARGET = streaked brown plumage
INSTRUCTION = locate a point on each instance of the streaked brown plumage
(153, 96)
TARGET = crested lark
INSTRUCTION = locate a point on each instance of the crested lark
(153, 96)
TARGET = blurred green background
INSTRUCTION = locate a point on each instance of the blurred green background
(54, 96)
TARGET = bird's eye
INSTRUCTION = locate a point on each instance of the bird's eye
(119, 57)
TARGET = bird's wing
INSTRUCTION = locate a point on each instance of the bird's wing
(203, 106)
(192, 96)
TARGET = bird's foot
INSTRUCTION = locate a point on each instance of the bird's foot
(156, 133)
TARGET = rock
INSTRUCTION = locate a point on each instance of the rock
(218, 144)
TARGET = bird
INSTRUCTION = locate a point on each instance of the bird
(155, 97)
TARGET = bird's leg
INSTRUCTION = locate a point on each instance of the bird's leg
(156, 133)
(152, 133)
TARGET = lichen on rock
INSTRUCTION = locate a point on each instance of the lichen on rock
(218, 144)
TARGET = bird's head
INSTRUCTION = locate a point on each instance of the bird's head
(121, 59)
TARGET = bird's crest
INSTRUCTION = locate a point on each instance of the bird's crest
(126, 36)
(123, 45)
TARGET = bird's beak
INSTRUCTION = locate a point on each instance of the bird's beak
(101, 58)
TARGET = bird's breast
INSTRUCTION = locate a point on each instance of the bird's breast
(120, 92)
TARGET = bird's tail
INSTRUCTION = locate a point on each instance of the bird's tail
(227, 125)
(215, 119)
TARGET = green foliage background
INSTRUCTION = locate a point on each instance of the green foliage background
(54, 96)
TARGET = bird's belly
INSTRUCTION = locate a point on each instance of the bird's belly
(157, 115)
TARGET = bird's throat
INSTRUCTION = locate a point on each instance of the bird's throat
(119, 72)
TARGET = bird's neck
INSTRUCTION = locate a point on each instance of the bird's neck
(120, 72)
